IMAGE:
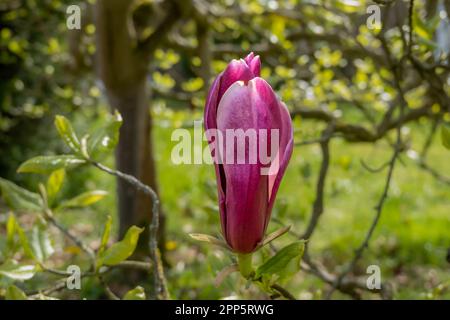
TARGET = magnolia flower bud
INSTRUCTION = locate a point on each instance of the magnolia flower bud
(240, 99)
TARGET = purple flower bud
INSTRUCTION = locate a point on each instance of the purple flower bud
(240, 99)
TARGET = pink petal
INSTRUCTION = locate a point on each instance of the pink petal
(210, 115)
(286, 147)
(255, 66)
(279, 118)
(246, 189)
(237, 70)
(249, 58)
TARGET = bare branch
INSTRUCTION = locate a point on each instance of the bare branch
(148, 45)
(411, 29)
(423, 165)
(283, 292)
(159, 278)
(318, 202)
(49, 217)
(111, 295)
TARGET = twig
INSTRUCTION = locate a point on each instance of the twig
(68, 234)
(60, 285)
(374, 170)
(423, 165)
(127, 264)
(57, 272)
(314, 141)
(359, 133)
(429, 140)
(111, 295)
(411, 33)
(131, 264)
(159, 278)
(283, 292)
(318, 202)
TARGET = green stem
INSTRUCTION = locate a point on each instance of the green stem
(245, 264)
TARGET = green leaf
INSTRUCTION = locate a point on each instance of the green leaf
(13, 270)
(41, 244)
(18, 198)
(10, 231)
(24, 242)
(67, 133)
(14, 293)
(105, 138)
(137, 293)
(209, 239)
(274, 235)
(47, 164)
(105, 236)
(192, 85)
(278, 27)
(348, 6)
(83, 200)
(121, 250)
(84, 146)
(445, 135)
(420, 27)
(54, 183)
(43, 194)
(278, 263)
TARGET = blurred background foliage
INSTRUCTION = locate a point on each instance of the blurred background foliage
(325, 63)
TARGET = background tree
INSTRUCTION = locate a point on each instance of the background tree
(123, 58)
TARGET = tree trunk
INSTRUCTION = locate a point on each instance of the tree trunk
(123, 73)
(134, 156)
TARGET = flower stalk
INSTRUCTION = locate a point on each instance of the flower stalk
(245, 264)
